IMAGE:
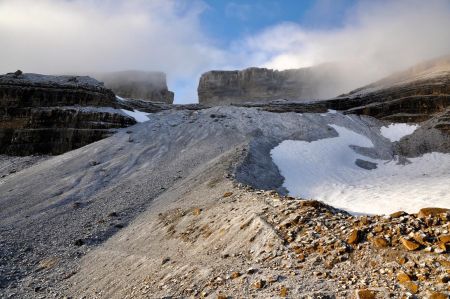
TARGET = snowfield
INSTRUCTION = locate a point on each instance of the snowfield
(139, 116)
(325, 170)
(395, 132)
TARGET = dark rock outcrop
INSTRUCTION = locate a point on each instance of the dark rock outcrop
(53, 114)
(147, 86)
(262, 85)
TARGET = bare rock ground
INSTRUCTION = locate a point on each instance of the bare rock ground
(217, 239)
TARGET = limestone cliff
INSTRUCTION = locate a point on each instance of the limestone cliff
(54, 114)
(412, 95)
(147, 86)
(265, 85)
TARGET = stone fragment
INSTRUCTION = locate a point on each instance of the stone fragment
(165, 260)
(411, 286)
(365, 294)
(283, 292)
(444, 238)
(403, 277)
(398, 214)
(438, 295)
(409, 245)
(259, 284)
(380, 242)
(227, 194)
(197, 211)
(444, 278)
(354, 237)
(425, 212)
(235, 275)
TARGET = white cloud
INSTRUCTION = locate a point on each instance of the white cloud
(60, 36)
(54, 36)
(378, 38)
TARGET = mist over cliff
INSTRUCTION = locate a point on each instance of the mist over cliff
(374, 39)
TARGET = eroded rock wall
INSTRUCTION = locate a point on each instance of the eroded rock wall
(263, 85)
(55, 114)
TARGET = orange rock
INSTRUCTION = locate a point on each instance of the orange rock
(445, 264)
(227, 194)
(365, 294)
(378, 228)
(409, 245)
(402, 260)
(364, 220)
(411, 286)
(301, 257)
(438, 295)
(220, 296)
(444, 246)
(197, 211)
(420, 238)
(283, 291)
(380, 242)
(354, 237)
(444, 239)
(425, 212)
(398, 214)
(235, 275)
(259, 284)
(403, 277)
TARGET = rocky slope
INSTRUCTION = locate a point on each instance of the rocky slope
(106, 221)
(264, 85)
(55, 114)
(190, 204)
(147, 86)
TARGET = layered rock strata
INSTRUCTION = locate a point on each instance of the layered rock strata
(54, 114)
(263, 85)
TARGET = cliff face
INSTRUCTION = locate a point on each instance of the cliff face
(413, 95)
(417, 94)
(54, 114)
(265, 85)
(147, 86)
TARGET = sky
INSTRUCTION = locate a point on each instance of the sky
(368, 39)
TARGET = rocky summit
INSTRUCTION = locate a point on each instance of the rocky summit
(264, 85)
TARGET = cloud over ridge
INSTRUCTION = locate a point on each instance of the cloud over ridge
(53, 36)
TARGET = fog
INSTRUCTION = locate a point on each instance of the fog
(86, 36)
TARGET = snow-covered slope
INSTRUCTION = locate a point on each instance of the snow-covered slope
(325, 170)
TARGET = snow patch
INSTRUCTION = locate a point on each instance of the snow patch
(121, 99)
(325, 170)
(330, 111)
(139, 116)
(395, 132)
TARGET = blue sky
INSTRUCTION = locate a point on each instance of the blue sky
(231, 20)
(368, 39)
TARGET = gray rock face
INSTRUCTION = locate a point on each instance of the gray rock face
(265, 85)
(147, 86)
(55, 114)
